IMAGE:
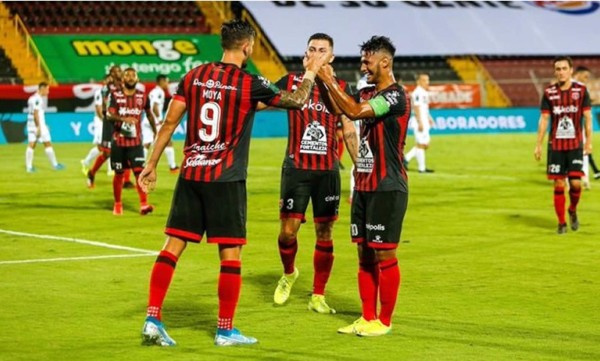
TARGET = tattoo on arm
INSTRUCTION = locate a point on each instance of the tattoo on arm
(296, 99)
(351, 144)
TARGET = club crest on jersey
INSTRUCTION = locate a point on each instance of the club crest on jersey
(574, 96)
(314, 139)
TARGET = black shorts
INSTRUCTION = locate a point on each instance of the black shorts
(122, 158)
(107, 131)
(299, 186)
(217, 208)
(376, 218)
(565, 163)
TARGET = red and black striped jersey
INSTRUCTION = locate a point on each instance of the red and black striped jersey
(379, 166)
(566, 108)
(312, 140)
(122, 105)
(221, 101)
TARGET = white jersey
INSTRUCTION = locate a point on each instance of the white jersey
(97, 102)
(35, 102)
(420, 100)
(157, 96)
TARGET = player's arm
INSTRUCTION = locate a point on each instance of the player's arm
(345, 102)
(587, 116)
(420, 124)
(112, 116)
(36, 120)
(175, 112)
(297, 98)
(151, 119)
(99, 112)
(542, 129)
(329, 103)
(350, 137)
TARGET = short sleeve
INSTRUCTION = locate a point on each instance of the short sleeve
(545, 106)
(180, 92)
(263, 90)
(417, 98)
(587, 101)
(98, 98)
(283, 82)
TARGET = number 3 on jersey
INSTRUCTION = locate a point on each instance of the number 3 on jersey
(210, 116)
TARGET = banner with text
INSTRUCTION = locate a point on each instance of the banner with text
(453, 95)
(419, 28)
(79, 58)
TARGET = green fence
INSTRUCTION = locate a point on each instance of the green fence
(83, 58)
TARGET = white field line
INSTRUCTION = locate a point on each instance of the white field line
(74, 258)
(80, 241)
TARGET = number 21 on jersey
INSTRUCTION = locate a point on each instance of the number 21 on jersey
(210, 116)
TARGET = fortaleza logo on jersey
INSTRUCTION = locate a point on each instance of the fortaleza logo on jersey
(314, 139)
(568, 7)
(364, 162)
(201, 160)
(562, 109)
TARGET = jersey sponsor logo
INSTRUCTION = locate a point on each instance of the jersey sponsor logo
(318, 106)
(392, 97)
(565, 128)
(164, 49)
(129, 111)
(554, 97)
(377, 239)
(365, 161)
(560, 109)
(314, 140)
(200, 160)
(375, 227)
(208, 148)
(121, 100)
(332, 198)
(211, 84)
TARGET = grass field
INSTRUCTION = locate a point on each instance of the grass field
(484, 275)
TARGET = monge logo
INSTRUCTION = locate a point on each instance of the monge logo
(568, 7)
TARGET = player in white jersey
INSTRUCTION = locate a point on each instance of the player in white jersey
(156, 98)
(97, 141)
(583, 75)
(37, 131)
(421, 124)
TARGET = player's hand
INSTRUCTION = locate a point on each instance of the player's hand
(147, 179)
(537, 153)
(315, 62)
(587, 149)
(130, 120)
(326, 73)
(38, 132)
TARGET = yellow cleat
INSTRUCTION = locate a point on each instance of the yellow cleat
(354, 327)
(284, 287)
(374, 328)
(317, 303)
(84, 168)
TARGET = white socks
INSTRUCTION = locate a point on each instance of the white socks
(170, 154)
(411, 154)
(93, 153)
(29, 158)
(420, 155)
(51, 156)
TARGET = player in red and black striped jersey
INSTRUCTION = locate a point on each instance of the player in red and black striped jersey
(381, 191)
(567, 105)
(210, 196)
(125, 112)
(310, 173)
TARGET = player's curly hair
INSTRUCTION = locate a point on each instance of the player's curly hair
(234, 32)
(378, 43)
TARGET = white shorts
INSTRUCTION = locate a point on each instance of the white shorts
(147, 134)
(422, 137)
(44, 135)
(97, 132)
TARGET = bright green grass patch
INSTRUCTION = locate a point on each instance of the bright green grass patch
(484, 275)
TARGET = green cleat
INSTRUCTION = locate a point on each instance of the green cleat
(354, 327)
(374, 328)
(317, 303)
(84, 168)
(284, 287)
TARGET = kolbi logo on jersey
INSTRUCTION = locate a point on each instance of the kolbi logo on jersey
(560, 109)
(318, 106)
(130, 111)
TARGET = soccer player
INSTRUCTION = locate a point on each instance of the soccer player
(37, 131)
(582, 75)
(98, 116)
(381, 192)
(310, 172)
(210, 196)
(156, 97)
(423, 122)
(125, 111)
(567, 105)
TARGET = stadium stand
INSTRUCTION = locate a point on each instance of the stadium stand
(523, 79)
(98, 17)
(8, 73)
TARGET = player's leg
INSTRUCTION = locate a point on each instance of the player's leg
(423, 140)
(29, 151)
(96, 150)
(585, 179)
(107, 129)
(48, 149)
(325, 197)
(226, 226)
(135, 158)
(594, 166)
(557, 171)
(385, 215)
(575, 173)
(119, 162)
(170, 155)
(294, 198)
(184, 224)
